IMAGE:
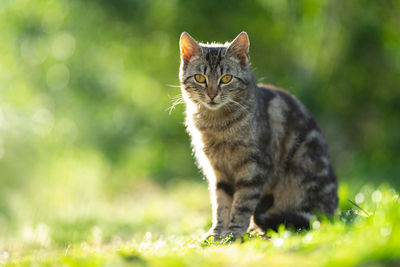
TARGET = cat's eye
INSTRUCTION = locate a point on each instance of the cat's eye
(200, 78)
(226, 78)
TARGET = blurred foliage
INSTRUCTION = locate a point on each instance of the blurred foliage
(85, 87)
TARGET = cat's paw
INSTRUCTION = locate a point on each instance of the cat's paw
(232, 234)
(214, 233)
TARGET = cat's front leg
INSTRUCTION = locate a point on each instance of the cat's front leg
(245, 199)
(221, 199)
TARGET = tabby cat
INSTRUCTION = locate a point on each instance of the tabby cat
(262, 152)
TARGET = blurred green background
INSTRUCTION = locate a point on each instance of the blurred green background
(85, 87)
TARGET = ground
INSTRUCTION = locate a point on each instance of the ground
(161, 226)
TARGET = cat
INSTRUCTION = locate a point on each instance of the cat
(260, 149)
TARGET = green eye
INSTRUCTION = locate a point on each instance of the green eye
(200, 78)
(226, 78)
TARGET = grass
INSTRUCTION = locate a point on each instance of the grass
(162, 226)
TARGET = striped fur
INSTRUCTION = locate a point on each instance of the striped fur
(260, 149)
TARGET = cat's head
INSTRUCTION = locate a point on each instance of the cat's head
(214, 75)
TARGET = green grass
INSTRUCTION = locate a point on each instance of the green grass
(162, 226)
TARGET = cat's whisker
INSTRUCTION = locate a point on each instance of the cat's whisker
(172, 85)
(176, 101)
(239, 105)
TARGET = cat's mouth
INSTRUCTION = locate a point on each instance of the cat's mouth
(212, 105)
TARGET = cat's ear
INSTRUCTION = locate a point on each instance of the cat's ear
(189, 47)
(239, 47)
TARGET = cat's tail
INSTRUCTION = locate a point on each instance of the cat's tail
(297, 220)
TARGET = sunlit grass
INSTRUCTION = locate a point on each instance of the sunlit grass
(162, 227)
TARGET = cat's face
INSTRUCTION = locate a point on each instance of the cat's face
(214, 75)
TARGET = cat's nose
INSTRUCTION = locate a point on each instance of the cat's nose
(212, 93)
